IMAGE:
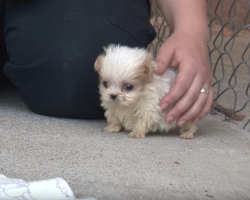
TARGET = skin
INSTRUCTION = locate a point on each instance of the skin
(186, 49)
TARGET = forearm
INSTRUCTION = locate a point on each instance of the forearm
(189, 16)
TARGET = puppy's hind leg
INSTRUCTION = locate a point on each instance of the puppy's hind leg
(188, 130)
(137, 134)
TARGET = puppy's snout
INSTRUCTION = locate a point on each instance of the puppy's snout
(113, 96)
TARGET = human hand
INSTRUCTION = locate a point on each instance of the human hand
(189, 53)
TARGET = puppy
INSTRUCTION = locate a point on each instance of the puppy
(131, 92)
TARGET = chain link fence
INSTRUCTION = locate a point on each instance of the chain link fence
(229, 52)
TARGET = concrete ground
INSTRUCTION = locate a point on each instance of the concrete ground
(214, 165)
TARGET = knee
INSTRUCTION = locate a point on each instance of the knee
(49, 88)
(54, 101)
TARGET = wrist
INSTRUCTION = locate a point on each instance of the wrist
(188, 16)
(193, 25)
(194, 32)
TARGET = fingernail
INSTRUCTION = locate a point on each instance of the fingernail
(181, 123)
(164, 106)
(170, 119)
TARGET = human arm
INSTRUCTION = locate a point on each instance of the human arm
(186, 49)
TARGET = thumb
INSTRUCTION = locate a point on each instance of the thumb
(163, 60)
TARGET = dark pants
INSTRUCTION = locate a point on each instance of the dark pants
(48, 49)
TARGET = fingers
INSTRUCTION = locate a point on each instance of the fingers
(189, 103)
(163, 60)
(198, 110)
(182, 84)
(191, 57)
(186, 102)
(207, 107)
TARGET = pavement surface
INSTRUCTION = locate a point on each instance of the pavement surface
(107, 166)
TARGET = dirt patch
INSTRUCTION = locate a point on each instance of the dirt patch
(229, 112)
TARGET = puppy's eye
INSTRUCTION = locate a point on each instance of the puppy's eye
(105, 84)
(128, 87)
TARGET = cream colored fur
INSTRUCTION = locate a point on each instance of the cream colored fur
(137, 110)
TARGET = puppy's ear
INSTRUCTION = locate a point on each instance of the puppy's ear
(149, 67)
(105, 49)
(99, 60)
(148, 70)
(98, 63)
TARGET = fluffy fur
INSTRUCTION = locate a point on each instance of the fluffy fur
(131, 92)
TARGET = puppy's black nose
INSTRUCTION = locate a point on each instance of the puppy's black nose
(113, 96)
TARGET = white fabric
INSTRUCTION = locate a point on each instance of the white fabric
(18, 189)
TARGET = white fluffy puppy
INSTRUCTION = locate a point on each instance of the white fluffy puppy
(131, 92)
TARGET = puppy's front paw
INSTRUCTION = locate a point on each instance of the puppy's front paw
(135, 134)
(113, 128)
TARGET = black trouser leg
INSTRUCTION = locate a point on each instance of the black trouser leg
(52, 46)
(3, 53)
